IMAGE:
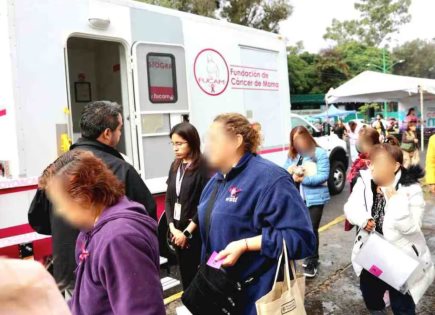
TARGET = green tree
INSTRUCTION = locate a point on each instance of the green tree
(378, 20)
(332, 70)
(317, 73)
(359, 57)
(163, 3)
(418, 59)
(200, 7)
(301, 70)
(369, 109)
(261, 14)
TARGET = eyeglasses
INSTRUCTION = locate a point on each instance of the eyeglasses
(178, 144)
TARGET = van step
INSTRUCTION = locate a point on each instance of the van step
(163, 260)
(169, 283)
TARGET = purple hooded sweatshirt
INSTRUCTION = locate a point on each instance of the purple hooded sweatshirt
(118, 264)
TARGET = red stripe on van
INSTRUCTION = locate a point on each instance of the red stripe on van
(16, 230)
(2, 112)
(273, 150)
(17, 189)
(41, 248)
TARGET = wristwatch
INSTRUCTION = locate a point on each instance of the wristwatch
(187, 234)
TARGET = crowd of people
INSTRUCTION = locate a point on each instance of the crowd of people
(387, 131)
(229, 203)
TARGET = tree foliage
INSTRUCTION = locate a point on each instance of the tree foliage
(200, 7)
(317, 73)
(418, 59)
(302, 70)
(378, 21)
(261, 14)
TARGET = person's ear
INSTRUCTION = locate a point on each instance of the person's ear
(239, 141)
(397, 168)
(107, 133)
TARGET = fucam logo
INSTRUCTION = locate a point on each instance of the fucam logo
(211, 72)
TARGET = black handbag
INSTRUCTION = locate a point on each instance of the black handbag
(39, 213)
(212, 291)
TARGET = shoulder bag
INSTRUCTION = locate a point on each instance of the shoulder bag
(212, 291)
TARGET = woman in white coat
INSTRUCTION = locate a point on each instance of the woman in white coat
(389, 200)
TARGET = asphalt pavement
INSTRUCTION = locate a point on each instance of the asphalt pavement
(335, 290)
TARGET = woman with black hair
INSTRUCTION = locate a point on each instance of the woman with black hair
(411, 117)
(388, 199)
(187, 177)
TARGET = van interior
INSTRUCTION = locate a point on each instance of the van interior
(96, 70)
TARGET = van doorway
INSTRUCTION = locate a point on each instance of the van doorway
(97, 71)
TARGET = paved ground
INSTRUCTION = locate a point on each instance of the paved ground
(335, 290)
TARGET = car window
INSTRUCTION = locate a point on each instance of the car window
(297, 121)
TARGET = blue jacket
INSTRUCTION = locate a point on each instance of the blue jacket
(255, 198)
(315, 188)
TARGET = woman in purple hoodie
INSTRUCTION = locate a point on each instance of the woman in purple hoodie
(117, 251)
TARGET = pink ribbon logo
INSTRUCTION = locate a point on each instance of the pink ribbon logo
(84, 254)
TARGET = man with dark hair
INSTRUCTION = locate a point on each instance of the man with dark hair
(101, 129)
(99, 117)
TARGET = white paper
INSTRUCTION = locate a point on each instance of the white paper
(177, 211)
(386, 261)
(182, 310)
(310, 168)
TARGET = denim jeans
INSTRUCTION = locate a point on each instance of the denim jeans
(373, 290)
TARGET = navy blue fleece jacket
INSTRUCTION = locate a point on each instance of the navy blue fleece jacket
(256, 197)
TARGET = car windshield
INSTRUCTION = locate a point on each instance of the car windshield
(297, 121)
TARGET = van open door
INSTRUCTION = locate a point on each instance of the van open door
(96, 69)
(161, 101)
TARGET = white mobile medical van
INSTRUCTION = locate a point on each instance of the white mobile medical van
(163, 66)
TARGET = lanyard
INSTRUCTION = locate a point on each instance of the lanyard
(179, 179)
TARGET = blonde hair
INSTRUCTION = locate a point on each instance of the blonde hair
(237, 124)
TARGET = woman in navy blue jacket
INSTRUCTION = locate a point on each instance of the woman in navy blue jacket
(257, 207)
(309, 165)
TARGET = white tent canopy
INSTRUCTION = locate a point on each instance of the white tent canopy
(371, 86)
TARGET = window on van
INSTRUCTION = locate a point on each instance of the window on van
(162, 83)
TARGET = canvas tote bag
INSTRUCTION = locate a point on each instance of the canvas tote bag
(286, 297)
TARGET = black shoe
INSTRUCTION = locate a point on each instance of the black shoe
(305, 263)
(310, 271)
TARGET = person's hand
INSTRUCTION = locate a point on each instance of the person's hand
(415, 140)
(371, 225)
(432, 188)
(297, 178)
(232, 253)
(178, 238)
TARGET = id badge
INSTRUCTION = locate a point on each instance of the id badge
(177, 211)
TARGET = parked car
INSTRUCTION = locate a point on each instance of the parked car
(337, 150)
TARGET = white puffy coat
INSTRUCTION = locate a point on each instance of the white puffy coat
(402, 226)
